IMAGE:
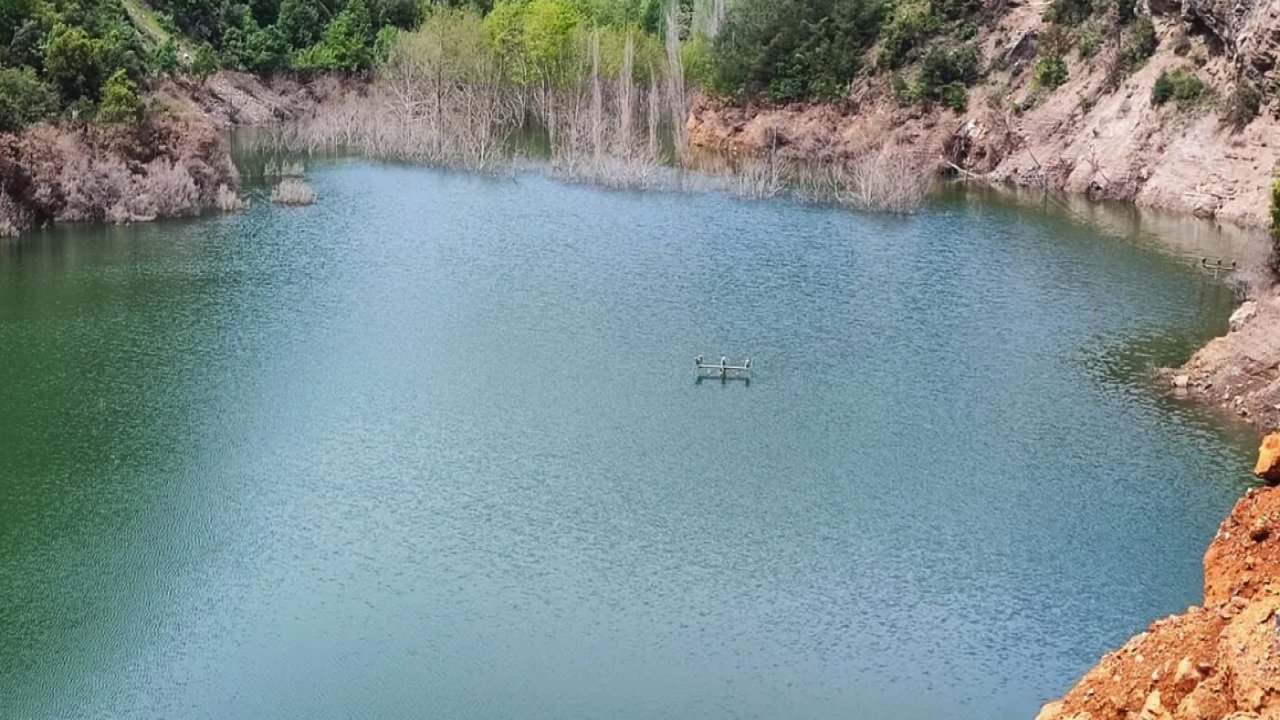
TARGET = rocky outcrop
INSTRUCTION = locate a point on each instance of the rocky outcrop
(1218, 661)
(1268, 465)
(1240, 371)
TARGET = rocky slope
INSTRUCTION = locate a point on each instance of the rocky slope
(1083, 136)
(1240, 371)
(1221, 660)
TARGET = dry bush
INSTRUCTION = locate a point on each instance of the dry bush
(13, 215)
(761, 177)
(283, 168)
(888, 179)
(292, 191)
(168, 166)
(227, 199)
(598, 139)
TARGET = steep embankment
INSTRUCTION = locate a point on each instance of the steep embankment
(1087, 136)
(1221, 660)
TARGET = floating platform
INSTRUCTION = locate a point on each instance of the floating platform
(723, 368)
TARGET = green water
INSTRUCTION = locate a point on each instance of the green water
(434, 447)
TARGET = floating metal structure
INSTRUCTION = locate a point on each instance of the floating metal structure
(1218, 266)
(723, 368)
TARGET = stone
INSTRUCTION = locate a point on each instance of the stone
(1243, 314)
(1268, 465)
(1181, 381)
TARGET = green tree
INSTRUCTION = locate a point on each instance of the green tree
(23, 98)
(205, 62)
(164, 58)
(548, 31)
(792, 49)
(346, 44)
(302, 21)
(13, 15)
(73, 63)
(120, 102)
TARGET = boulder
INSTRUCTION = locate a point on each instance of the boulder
(1243, 314)
(1268, 466)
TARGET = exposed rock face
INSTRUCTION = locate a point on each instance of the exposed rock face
(1268, 465)
(1086, 136)
(1240, 371)
(1217, 661)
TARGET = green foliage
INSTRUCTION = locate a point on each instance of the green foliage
(73, 63)
(1274, 262)
(120, 102)
(946, 74)
(383, 42)
(1243, 105)
(910, 24)
(1182, 85)
(205, 62)
(1088, 41)
(1068, 12)
(13, 14)
(1140, 44)
(254, 48)
(164, 58)
(23, 98)
(534, 40)
(792, 49)
(1050, 72)
(25, 47)
(347, 43)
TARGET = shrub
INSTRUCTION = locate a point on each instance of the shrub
(1050, 72)
(164, 58)
(23, 98)
(120, 103)
(946, 74)
(1182, 85)
(911, 23)
(1088, 42)
(205, 62)
(73, 63)
(1068, 12)
(1139, 44)
(1243, 105)
(1054, 41)
(1274, 260)
(293, 192)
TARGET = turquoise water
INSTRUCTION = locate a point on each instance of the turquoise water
(434, 447)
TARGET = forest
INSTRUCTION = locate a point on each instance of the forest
(81, 59)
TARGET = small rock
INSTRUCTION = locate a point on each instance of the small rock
(1181, 381)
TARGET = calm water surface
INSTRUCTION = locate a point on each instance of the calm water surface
(433, 448)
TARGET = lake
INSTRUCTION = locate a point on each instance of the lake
(435, 447)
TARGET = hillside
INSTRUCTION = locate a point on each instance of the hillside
(1071, 106)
